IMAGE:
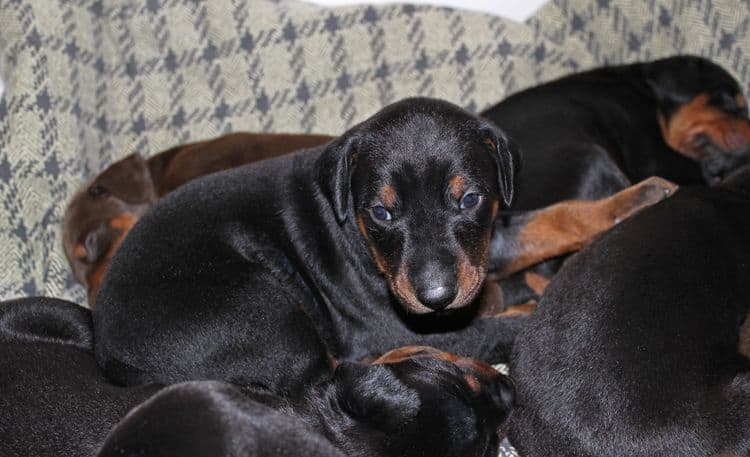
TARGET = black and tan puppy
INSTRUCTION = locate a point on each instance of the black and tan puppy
(377, 240)
(633, 349)
(591, 134)
(57, 402)
(426, 403)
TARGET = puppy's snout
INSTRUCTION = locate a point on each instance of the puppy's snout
(95, 244)
(435, 286)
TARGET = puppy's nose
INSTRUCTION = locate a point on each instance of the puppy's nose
(437, 297)
(434, 281)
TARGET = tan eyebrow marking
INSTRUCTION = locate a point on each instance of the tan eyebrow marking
(388, 195)
(457, 185)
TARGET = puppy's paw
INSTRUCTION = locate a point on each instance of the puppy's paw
(640, 196)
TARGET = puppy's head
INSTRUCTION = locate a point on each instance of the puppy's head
(423, 181)
(702, 113)
(101, 214)
(420, 401)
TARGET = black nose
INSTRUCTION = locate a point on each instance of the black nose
(435, 284)
(437, 297)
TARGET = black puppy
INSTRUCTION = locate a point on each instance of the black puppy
(633, 349)
(210, 418)
(56, 402)
(252, 275)
(592, 134)
(427, 403)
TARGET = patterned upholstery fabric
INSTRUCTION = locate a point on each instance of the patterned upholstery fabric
(89, 82)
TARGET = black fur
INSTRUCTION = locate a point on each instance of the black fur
(413, 408)
(633, 349)
(56, 402)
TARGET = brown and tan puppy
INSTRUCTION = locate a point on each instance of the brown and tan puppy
(102, 212)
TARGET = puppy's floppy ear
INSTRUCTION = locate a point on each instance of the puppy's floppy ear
(128, 179)
(374, 395)
(505, 154)
(334, 172)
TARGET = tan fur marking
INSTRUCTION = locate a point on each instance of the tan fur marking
(524, 309)
(80, 251)
(536, 282)
(473, 383)
(362, 227)
(495, 209)
(332, 362)
(123, 222)
(401, 287)
(570, 225)
(470, 279)
(388, 196)
(697, 118)
(457, 186)
(404, 353)
(413, 352)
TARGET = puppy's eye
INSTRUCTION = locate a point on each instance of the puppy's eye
(470, 200)
(380, 213)
(97, 190)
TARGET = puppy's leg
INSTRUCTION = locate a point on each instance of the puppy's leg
(525, 239)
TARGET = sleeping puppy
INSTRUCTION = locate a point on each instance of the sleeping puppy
(428, 403)
(102, 212)
(635, 348)
(591, 134)
(57, 402)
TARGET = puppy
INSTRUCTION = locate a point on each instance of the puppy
(427, 403)
(376, 240)
(635, 347)
(56, 402)
(101, 213)
(591, 134)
